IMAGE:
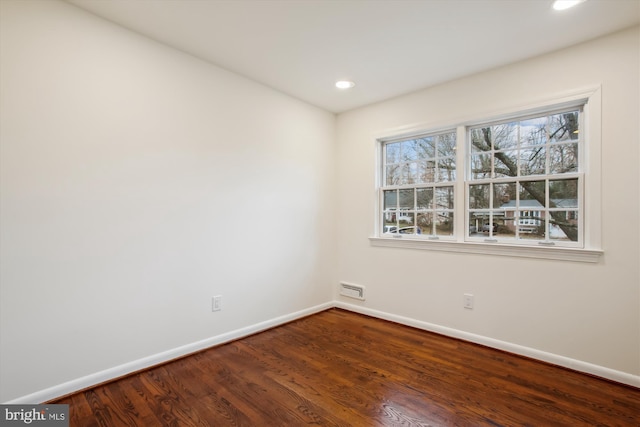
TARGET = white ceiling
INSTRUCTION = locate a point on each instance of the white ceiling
(388, 47)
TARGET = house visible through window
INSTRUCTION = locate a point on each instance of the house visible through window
(522, 182)
(418, 185)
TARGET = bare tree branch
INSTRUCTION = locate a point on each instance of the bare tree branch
(511, 169)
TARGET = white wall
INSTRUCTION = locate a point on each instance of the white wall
(586, 312)
(138, 182)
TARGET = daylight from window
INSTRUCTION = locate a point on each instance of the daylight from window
(522, 182)
(523, 179)
(419, 175)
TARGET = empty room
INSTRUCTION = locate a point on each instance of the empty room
(345, 213)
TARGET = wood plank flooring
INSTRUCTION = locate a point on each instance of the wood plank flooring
(337, 368)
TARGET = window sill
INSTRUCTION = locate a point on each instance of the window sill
(544, 252)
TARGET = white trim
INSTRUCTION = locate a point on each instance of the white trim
(484, 248)
(116, 372)
(566, 362)
(592, 167)
(159, 358)
(508, 111)
(589, 249)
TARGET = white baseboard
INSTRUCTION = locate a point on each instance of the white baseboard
(566, 362)
(156, 359)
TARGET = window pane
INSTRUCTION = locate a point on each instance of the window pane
(504, 195)
(405, 198)
(425, 222)
(506, 164)
(563, 158)
(504, 136)
(389, 224)
(531, 217)
(409, 151)
(390, 199)
(480, 140)
(532, 195)
(563, 225)
(444, 197)
(394, 175)
(426, 172)
(424, 198)
(426, 147)
(444, 223)
(477, 220)
(447, 145)
(563, 127)
(481, 166)
(530, 224)
(446, 170)
(405, 174)
(393, 152)
(564, 193)
(485, 225)
(410, 173)
(389, 227)
(405, 219)
(479, 196)
(533, 131)
(532, 161)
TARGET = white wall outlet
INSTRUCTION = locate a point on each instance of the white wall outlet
(216, 303)
(468, 301)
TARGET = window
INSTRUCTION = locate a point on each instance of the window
(524, 180)
(418, 185)
(520, 184)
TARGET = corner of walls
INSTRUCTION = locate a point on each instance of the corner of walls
(129, 368)
(137, 183)
(586, 312)
(555, 359)
(148, 362)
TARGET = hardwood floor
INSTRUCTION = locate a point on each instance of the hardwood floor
(338, 368)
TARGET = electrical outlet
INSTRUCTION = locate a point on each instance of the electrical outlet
(468, 301)
(216, 303)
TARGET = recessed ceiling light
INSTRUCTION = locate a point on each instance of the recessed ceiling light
(565, 4)
(344, 84)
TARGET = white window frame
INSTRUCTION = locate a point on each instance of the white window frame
(433, 185)
(546, 177)
(590, 154)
